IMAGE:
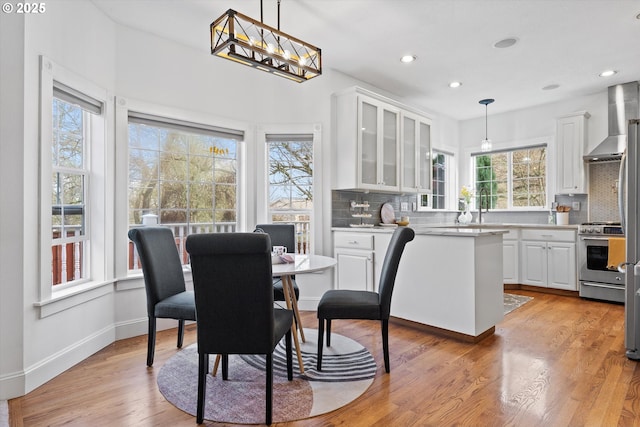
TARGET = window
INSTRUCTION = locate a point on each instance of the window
(182, 175)
(69, 188)
(290, 164)
(513, 178)
(73, 148)
(441, 172)
(442, 183)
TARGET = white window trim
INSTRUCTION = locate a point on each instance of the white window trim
(547, 141)
(262, 181)
(123, 106)
(101, 192)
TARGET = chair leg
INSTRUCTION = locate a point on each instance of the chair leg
(269, 387)
(328, 332)
(225, 367)
(180, 332)
(203, 367)
(289, 356)
(320, 337)
(151, 341)
(385, 343)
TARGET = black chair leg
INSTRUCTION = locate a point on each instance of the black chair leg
(320, 337)
(180, 332)
(328, 332)
(151, 342)
(385, 344)
(203, 368)
(269, 387)
(289, 356)
(225, 367)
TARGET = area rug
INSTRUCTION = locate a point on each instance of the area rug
(347, 372)
(511, 302)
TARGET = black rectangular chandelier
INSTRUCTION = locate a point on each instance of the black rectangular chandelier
(242, 39)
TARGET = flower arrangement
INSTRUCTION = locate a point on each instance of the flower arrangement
(466, 193)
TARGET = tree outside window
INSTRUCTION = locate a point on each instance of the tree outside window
(512, 179)
(185, 177)
(291, 184)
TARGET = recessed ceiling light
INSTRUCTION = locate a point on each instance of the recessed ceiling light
(408, 58)
(551, 87)
(504, 43)
(607, 73)
(455, 84)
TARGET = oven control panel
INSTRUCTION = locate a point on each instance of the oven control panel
(605, 230)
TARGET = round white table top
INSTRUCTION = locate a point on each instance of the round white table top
(304, 264)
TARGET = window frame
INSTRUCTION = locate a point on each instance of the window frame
(122, 111)
(425, 201)
(262, 177)
(510, 150)
(306, 138)
(98, 190)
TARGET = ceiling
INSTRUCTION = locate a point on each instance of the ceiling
(560, 42)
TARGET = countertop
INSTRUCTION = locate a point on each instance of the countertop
(460, 230)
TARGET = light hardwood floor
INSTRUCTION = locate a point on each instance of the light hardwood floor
(556, 361)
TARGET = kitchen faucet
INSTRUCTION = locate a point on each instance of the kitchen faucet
(484, 191)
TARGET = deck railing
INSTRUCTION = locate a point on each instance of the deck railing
(67, 264)
(181, 231)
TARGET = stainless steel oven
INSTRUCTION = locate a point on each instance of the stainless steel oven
(596, 280)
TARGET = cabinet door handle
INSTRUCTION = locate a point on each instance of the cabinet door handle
(353, 242)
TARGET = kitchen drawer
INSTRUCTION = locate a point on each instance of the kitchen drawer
(511, 234)
(549, 235)
(353, 240)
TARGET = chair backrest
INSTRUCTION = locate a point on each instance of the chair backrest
(281, 235)
(401, 236)
(160, 261)
(233, 292)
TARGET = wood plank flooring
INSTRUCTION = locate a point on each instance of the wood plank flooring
(556, 361)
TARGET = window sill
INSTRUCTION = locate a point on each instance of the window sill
(73, 296)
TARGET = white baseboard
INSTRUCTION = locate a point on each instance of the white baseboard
(20, 383)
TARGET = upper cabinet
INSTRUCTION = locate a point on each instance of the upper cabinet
(376, 140)
(416, 153)
(571, 139)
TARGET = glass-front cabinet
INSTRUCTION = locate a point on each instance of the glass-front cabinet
(416, 153)
(379, 144)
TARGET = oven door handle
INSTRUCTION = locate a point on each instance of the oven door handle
(601, 239)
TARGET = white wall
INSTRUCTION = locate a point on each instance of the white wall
(531, 124)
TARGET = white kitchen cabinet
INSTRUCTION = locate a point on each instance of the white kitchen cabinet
(368, 146)
(571, 140)
(549, 259)
(415, 153)
(355, 256)
(510, 256)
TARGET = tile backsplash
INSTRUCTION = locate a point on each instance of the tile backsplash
(342, 213)
(603, 191)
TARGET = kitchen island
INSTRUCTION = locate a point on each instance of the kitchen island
(449, 279)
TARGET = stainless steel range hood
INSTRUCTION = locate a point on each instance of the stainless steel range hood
(623, 106)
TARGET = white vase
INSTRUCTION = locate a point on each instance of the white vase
(465, 217)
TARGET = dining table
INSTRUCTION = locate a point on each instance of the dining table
(301, 264)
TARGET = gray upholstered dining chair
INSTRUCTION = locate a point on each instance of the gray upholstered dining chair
(232, 280)
(351, 304)
(281, 235)
(167, 296)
